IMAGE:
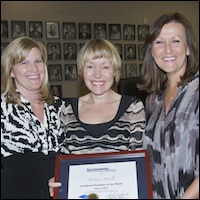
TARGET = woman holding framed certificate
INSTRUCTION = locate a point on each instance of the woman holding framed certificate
(102, 120)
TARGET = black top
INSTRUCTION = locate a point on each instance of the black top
(25, 176)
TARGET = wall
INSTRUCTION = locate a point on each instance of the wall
(123, 12)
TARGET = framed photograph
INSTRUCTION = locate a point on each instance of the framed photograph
(100, 31)
(81, 45)
(54, 51)
(131, 70)
(55, 72)
(142, 32)
(35, 29)
(69, 30)
(4, 29)
(119, 49)
(52, 30)
(141, 51)
(69, 51)
(18, 29)
(3, 46)
(114, 31)
(130, 51)
(56, 90)
(84, 30)
(116, 175)
(70, 72)
(129, 32)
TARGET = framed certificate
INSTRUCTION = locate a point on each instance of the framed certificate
(118, 175)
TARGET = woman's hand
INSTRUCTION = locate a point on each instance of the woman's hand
(52, 184)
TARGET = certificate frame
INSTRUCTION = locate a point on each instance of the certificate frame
(65, 163)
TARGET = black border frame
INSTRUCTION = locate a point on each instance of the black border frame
(63, 162)
(40, 28)
(47, 25)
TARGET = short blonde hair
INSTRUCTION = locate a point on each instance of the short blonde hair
(99, 48)
(15, 52)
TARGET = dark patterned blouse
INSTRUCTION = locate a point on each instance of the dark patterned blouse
(124, 132)
(172, 140)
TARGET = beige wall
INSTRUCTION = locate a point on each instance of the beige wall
(123, 12)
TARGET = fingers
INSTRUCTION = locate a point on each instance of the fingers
(52, 185)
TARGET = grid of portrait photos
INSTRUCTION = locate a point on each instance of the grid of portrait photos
(63, 40)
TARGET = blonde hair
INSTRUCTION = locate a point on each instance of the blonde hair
(15, 52)
(99, 48)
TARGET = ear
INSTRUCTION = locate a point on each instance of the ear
(187, 51)
(12, 74)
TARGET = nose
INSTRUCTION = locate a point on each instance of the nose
(97, 72)
(33, 67)
(168, 47)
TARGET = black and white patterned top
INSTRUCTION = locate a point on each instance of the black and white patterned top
(172, 140)
(124, 132)
(21, 130)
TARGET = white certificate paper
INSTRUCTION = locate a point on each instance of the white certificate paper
(117, 180)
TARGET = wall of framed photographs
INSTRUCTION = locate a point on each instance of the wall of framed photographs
(65, 26)
(64, 40)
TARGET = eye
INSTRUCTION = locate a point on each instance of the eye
(158, 42)
(106, 67)
(88, 66)
(176, 41)
(25, 62)
(38, 61)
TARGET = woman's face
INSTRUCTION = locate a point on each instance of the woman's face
(170, 49)
(98, 75)
(29, 74)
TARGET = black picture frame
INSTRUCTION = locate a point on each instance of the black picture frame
(142, 32)
(102, 165)
(130, 51)
(129, 32)
(35, 29)
(100, 31)
(84, 30)
(54, 51)
(4, 29)
(52, 30)
(141, 52)
(56, 90)
(114, 31)
(70, 51)
(18, 29)
(55, 72)
(69, 30)
(3, 46)
(131, 70)
(70, 72)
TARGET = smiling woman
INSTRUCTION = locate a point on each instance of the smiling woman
(105, 121)
(30, 138)
(170, 74)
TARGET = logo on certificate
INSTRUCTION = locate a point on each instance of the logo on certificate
(89, 196)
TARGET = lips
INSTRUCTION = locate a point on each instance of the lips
(169, 58)
(33, 77)
(98, 83)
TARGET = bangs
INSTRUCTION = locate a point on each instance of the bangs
(97, 51)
